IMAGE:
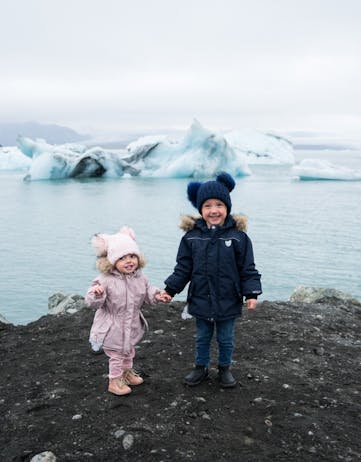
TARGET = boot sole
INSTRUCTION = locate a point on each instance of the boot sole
(193, 384)
(117, 393)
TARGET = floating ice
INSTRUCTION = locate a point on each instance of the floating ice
(11, 158)
(261, 148)
(69, 161)
(35, 148)
(201, 153)
(317, 169)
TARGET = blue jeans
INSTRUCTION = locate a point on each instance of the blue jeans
(204, 336)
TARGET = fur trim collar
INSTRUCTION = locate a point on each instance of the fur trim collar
(188, 222)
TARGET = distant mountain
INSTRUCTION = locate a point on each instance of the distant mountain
(53, 134)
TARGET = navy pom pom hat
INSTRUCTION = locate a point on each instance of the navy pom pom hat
(220, 188)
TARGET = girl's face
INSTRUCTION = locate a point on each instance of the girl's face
(127, 264)
(214, 212)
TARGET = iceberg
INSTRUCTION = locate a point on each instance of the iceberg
(200, 153)
(69, 161)
(35, 148)
(317, 169)
(261, 148)
(11, 158)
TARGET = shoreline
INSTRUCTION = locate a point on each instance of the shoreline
(59, 303)
(297, 367)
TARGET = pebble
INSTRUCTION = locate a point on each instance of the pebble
(268, 422)
(77, 417)
(319, 351)
(159, 331)
(119, 433)
(128, 441)
(46, 456)
(248, 441)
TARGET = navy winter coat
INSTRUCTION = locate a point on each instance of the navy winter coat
(220, 267)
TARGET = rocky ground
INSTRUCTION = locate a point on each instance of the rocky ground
(297, 397)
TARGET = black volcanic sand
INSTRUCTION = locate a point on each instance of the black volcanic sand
(297, 397)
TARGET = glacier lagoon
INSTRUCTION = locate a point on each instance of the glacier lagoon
(304, 232)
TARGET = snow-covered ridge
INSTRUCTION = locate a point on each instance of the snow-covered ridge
(200, 153)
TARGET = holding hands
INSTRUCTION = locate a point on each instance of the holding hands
(163, 296)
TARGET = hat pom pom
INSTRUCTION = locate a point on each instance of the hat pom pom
(227, 180)
(192, 191)
(100, 244)
(128, 231)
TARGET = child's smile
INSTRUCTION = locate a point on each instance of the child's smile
(127, 264)
(214, 212)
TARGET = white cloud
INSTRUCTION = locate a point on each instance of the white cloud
(281, 63)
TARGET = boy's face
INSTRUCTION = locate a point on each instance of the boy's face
(214, 212)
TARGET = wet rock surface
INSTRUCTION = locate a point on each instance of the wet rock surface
(297, 396)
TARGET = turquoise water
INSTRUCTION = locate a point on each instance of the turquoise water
(302, 232)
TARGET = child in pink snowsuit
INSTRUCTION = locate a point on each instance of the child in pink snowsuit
(118, 294)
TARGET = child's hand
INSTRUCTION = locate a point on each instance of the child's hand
(98, 291)
(163, 296)
(251, 303)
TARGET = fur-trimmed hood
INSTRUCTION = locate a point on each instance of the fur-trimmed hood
(188, 222)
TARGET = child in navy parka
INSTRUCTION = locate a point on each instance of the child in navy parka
(216, 257)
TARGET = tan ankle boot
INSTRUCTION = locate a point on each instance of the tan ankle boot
(118, 387)
(132, 378)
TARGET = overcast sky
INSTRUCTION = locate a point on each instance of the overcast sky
(116, 64)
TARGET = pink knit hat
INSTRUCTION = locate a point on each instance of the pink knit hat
(115, 246)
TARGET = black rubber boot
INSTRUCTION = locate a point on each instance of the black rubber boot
(196, 376)
(226, 378)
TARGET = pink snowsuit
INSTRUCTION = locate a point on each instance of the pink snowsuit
(118, 322)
